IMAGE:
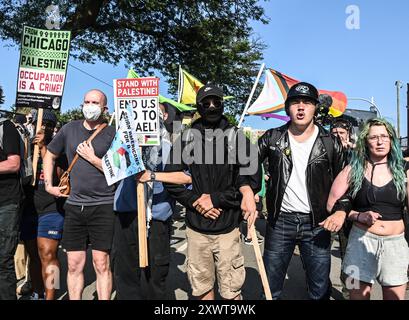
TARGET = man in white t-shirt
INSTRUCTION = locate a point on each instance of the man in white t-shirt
(303, 161)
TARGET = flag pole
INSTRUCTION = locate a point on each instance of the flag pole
(252, 230)
(179, 83)
(142, 232)
(112, 119)
(36, 154)
(260, 264)
(251, 95)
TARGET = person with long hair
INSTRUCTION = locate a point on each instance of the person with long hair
(372, 192)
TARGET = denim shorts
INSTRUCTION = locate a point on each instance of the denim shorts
(370, 257)
(48, 225)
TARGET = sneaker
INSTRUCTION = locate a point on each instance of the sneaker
(36, 296)
(25, 289)
(250, 242)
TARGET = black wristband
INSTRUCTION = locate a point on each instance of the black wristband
(357, 216)
(342, 204)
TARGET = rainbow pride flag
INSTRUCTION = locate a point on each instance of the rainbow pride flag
(270, 102)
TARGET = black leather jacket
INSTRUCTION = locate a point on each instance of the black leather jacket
(275, 146)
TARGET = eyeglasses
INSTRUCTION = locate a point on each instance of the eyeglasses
(382, 137)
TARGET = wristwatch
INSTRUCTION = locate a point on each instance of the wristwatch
(153, 176)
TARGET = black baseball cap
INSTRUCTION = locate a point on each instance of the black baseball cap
(302, 90)
(20, 118)
(207, 91)
(48, 115)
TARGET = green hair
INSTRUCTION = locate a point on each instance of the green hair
(360, 156)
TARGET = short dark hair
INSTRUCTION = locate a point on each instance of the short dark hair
(341, 123)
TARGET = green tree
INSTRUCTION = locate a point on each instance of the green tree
(212, 39)
(70, 115)
(73, 114)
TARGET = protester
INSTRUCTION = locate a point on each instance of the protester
(303, 159)
(88, 209)
(57, 128)
(125, 253)
(375, 183)
(38, 202)
(21, 256)
(43, 218)
(219, 189)
(29, 124)
(10, 202)
(342, 128)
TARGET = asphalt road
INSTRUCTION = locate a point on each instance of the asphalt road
(178, 285)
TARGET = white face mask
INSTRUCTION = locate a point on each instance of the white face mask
(91, 112)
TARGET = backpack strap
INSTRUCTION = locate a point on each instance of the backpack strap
(2, 120)
(76, 157)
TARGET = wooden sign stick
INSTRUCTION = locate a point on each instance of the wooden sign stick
(142, 236)
(36, 154)
(260, 264)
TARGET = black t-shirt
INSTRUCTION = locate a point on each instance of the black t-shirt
(88, 184)
(10, 190)
(38, 201)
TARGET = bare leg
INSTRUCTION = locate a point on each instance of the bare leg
(75, 277)
(362, 293)
(394, 293)
(207, 296)
(104, 276)
(34, 266)
(50, 266)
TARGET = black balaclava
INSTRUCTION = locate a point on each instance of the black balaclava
(210, 116)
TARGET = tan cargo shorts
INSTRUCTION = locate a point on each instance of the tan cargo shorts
(218, 255)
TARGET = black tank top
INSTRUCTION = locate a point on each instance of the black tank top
(383, 200)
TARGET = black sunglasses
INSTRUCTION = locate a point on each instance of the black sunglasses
(216, 103)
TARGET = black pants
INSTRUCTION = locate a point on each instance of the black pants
(9, 225)
(125, 256)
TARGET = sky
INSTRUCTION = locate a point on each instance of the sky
(307, 40)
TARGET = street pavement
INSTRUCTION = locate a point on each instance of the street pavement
(178, 286)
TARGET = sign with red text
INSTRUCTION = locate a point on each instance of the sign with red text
(141, 95)
(43, 68)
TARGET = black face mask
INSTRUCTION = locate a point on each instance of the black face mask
(211, 115)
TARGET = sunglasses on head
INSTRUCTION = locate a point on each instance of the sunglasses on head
(341, 125)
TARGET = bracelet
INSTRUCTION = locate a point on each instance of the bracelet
(357, 217)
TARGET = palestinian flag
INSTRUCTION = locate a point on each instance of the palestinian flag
(123, 158)
(152, 139)
(119, 156)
